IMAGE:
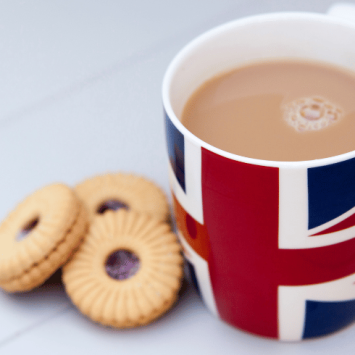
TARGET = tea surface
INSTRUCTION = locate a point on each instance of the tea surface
(281, 110)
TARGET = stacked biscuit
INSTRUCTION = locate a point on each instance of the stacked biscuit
(122, 265)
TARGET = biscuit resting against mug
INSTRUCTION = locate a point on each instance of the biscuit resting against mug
(122, 190)
(127, 272)
(39, 235)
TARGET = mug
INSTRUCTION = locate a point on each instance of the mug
(270, 245)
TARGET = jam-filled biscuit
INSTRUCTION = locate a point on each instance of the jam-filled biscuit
(127, 272)
(120, 190)
(39, 235)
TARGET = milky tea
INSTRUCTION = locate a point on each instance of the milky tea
(279, 110)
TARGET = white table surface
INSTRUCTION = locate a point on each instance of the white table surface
(80, 95)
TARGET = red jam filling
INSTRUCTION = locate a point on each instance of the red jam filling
(112, 205)
(122, 264)
(26, 230)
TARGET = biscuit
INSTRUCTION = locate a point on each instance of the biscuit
(39, 235)
(120, 190)
(127, 272)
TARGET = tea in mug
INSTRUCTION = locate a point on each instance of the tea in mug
(284, 110)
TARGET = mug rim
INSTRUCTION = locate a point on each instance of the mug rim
(179, 57)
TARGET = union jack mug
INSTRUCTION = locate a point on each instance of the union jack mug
(270, 245)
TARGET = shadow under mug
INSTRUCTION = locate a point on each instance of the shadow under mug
(270, 244)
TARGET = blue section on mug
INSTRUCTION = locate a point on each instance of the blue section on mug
(323, 318)
(176, 151)
(331, 191)
(193, 276)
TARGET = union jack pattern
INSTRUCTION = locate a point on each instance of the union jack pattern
(272, 250)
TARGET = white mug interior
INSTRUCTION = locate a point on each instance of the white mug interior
(304, 36)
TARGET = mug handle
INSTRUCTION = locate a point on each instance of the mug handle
(344, 10)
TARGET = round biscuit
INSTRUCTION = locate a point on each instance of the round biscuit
(136, 300)
(61, 222)
(134, 192)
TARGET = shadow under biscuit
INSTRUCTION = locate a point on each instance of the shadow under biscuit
(53, 286)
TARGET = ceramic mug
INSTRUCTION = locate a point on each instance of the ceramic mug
(270, 244)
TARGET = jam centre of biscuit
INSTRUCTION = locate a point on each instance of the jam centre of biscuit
(112, 205)
(122, 264)
(27, 229)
